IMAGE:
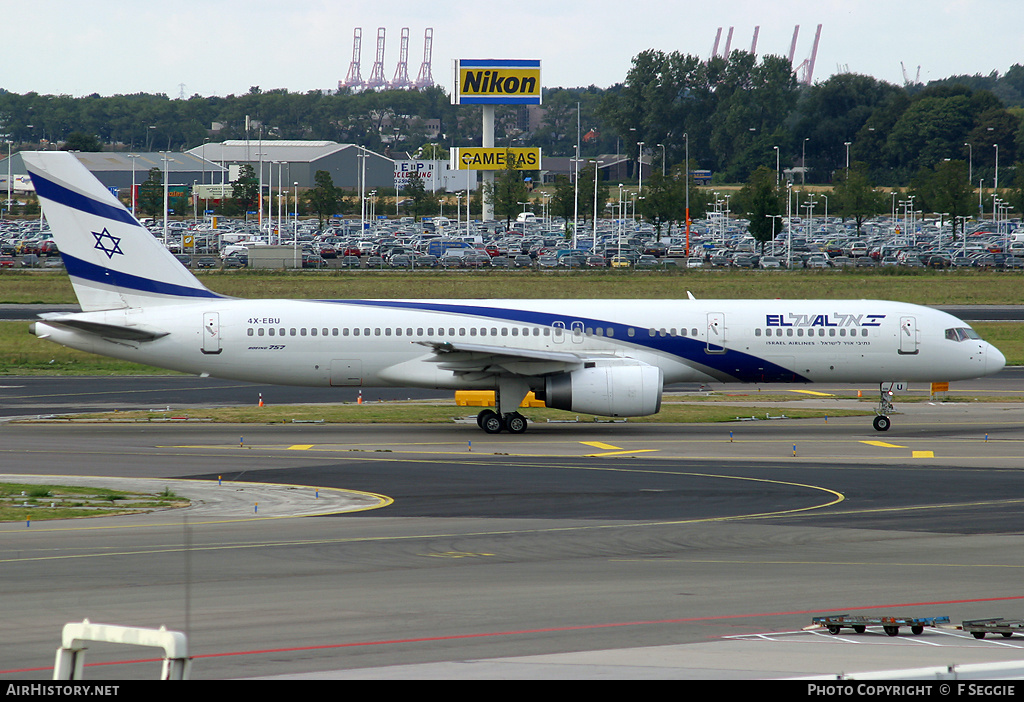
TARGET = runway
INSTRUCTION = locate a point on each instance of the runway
(575, 550)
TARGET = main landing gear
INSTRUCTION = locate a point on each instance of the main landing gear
(494, 423)
(884, 409)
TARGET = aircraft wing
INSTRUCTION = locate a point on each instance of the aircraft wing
(483, 360)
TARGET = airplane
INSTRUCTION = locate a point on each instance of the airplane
(609, 358)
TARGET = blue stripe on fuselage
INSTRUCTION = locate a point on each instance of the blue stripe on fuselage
(736, 364)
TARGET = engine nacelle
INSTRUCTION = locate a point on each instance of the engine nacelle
(614, 390)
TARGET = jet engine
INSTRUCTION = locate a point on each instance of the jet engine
(612, 390)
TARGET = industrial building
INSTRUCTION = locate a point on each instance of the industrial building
(291, 162)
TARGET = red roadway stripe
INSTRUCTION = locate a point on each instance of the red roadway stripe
(581, 627)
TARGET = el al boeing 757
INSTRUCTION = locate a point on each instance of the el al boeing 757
(604, 357)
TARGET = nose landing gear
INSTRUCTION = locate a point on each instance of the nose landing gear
(884, 409)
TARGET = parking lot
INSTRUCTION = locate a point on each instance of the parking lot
(713, 243)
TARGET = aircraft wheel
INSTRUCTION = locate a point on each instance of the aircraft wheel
(882, 423)
(480, 418)
(515, 423)
(492, 423)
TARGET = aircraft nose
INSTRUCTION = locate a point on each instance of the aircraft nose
(995, 361)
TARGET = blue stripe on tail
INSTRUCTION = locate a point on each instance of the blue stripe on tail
(69, 198)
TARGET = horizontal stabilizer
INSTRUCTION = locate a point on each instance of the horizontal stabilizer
(107, 331)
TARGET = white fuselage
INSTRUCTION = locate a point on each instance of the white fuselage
(374, 342)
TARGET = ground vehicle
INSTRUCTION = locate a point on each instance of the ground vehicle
(769, 262)
(695, 262)
(439, 247)
(817, 260)
(206, 262)
(6, 261)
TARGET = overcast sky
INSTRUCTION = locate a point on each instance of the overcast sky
(222, 47)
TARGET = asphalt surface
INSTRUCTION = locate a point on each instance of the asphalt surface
(573, 551)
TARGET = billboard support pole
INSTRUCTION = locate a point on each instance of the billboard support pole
(487, 142)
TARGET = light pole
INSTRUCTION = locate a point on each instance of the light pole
(639, 166)
(167, 162)
(996, 188)
(789, 226)
(777, 173)
(686, 137)
(847, 145)
(970, 164)
(662, 160)
(133, 157)
(10, 146)
(597, 169)
(803, 162)
(575, 190)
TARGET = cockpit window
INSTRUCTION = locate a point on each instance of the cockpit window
(961, 334)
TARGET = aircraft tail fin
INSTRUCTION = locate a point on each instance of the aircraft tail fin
(113, 261)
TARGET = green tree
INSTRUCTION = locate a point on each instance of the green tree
(855, 196)
(424, 202)
(78, 141)
(324, 198)
(829, 115)
(151, 194)
(662, 200)
(563, 200)
(245, 189)
(945, 189)
(761, 199)
(508, 191)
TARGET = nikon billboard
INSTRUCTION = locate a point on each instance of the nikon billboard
(497, 159)
(497, 82)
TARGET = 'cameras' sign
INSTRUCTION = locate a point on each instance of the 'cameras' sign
(478, 159)
(497, 82)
